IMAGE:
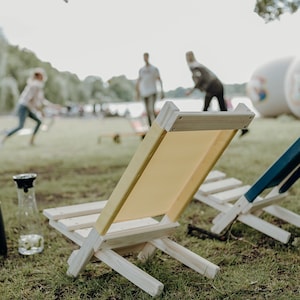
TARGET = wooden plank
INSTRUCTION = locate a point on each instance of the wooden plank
(134, 236)
(74, 210)
(261, 203)
(229, 195)
(206, 199)
(283, 214)
(187, 257)
(77, 239)
(80, 222)
(85, 253)
(230, 215)
(134, 274)
(79, 235)
(214, 176)
(188, 121)
(265, 227)
(220, 185)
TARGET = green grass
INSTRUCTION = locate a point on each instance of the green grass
(74, 166)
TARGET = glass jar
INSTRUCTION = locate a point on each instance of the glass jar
(31, 240)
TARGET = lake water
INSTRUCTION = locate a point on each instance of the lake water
(137, 109)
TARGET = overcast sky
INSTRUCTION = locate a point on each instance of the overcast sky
(108, 37)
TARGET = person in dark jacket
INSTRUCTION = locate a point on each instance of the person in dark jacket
(206, 81)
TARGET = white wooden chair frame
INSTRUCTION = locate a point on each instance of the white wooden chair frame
(167, 169)
(245, 203)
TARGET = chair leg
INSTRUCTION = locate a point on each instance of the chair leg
(146, 252)
(265, 227)
(134, 274)
(79, 258)
(230, 215)
(187, 257)
(283, 214)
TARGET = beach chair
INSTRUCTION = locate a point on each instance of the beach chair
(246, 203)
(168, 167)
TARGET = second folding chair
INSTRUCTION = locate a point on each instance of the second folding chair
(246, 203)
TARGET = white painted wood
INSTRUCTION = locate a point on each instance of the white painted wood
(77, 262)
(187, 257)
(74, 210)
(261, 225)
(207, 199)
(265, 227)
(134, 274)
(147, 251)
(230, 215)
(283, 214)
(77, 239)
(264, 202)
(242, 210)
(174, 120)
(214, 176)
(220, 185)
(134, 236)
(79, 222)
(230, 195)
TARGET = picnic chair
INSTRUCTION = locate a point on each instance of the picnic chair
(168, 167)
(246, 203)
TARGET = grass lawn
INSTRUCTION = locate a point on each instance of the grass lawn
(75, 166)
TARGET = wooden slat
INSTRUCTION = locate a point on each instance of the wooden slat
(220, 185)
(81, 222)
(134, 274)
(74, 210)
(137, 235)
(214, 176)
(187, 257)
(189, 121)
(283, 214)
(230, 195)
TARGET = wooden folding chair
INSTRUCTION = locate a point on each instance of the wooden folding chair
(250, 201)
(167, 169)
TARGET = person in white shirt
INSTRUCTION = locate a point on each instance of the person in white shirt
(31, 102)
(146, 87)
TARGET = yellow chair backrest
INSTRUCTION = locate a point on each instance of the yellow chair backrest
(171, 163)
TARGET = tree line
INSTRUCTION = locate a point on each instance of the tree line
(16, 65)
(66, 88)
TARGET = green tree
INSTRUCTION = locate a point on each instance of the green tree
(9, 94)
(271, 10)
(122, 88)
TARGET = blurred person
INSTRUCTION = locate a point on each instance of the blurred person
(31, 103)
(146, 87)
(206, 81)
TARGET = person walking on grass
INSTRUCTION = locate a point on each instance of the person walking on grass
(146, 87)
(206, 81)
(31, 102)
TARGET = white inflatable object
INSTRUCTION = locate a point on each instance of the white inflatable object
(292, 87)
(266, 88)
